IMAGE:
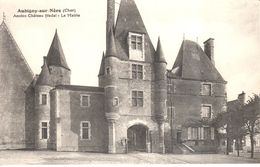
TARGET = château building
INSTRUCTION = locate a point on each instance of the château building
(139, 105)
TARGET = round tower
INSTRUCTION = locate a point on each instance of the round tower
(55, 71)
(160, 93)
(110, 82)
(42, 107)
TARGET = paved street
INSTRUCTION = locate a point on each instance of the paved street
(51, 157)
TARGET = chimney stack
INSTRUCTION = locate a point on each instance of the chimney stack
(242, 98)
(110, 16)
(209, 49)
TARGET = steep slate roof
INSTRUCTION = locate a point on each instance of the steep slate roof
(102, 66)
(111, 46)
(159, 56)
(55, 55)
(44, 77)
(193, 63)
(130, 20)
(10, 49)
(233, 105)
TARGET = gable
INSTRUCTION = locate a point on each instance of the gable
(130, 20)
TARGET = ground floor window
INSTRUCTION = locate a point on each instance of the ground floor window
(44, 130)
(201, 133)
(85, 130)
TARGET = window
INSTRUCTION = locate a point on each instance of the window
(137, 42)
(44, 130)
(137, 71)
(170, 113)
(137, 98)
(116, 101)
(108, 70)
(43, 99)
(85, 101)
(207, 133)
(201, 133)
(206, 89)
(85, 130)
(169, 85)
(192, 133)
(136, 46)
(206, 112)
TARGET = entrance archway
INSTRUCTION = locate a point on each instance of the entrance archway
(137, 136)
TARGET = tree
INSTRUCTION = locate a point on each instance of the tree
(232, 122)
(220, 123)
(251, 119)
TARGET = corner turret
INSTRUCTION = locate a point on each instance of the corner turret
(55, 71)
(160, 92)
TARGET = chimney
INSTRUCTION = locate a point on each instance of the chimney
(242, 98)
(209, 49)
(110, 16)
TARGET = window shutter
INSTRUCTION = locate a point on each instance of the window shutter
(202, 133)
(199, 135)
(129, 42)
(195, 133)
(212, 133)
(189, 133)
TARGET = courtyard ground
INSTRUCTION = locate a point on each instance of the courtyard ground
(19, 157)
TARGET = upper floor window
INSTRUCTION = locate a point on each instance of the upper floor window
(116, 101)
(108, 70)
(137, 98)
(43, 98)
(206, 111)
(136, 46)
(85, 130)
(170, 113)
(137, 71)
(44, 130)
(206, 89)
(84, 100)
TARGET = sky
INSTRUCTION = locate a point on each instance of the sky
(234, 24)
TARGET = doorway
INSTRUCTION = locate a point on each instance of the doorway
(179, 137)
(137, 136)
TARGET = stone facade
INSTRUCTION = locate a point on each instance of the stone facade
(130, 109)
(15, 79)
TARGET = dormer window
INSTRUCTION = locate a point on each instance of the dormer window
(137, 42)
(136, 46)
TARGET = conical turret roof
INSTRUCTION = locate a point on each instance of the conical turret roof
(111, 46)
(159, 56)
(102, 66)
(44, 77)
(55, 55)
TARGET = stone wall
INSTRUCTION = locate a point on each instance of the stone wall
(69, 114)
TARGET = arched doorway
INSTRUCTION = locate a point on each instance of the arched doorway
(137, 136)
